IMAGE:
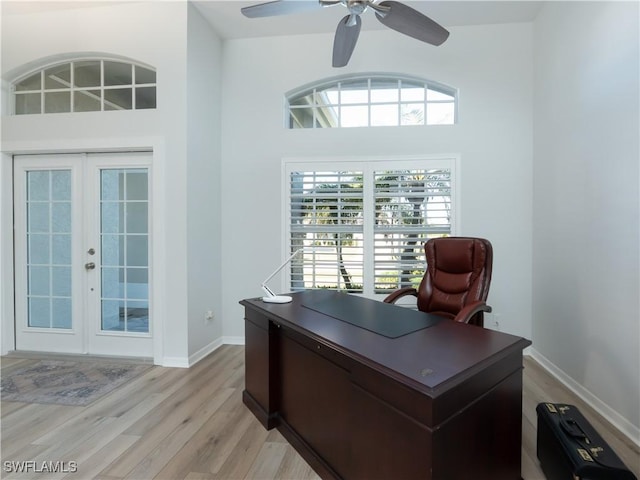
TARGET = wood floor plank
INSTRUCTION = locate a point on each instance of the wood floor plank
(197, 476)
(213, 443)
(191, 424)
(268, 461)
(28, 452)
(291, 468)
(160, 424)
(34, 415)
(156, 460)
(92, 465)
(239, 462)
(85, 448)
(207, 376)
(152, 382)
(58, 452)
(11, 407)
(9, 364)
(24, 426)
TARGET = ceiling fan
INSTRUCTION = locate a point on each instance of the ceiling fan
(394, 15)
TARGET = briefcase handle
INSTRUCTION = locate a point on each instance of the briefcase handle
(572, 428)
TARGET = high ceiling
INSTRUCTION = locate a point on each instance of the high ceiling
(227, 20)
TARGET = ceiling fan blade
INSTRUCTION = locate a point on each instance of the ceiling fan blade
(284, 7)
(411, 22)
(345, 40)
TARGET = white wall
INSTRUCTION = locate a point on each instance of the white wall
(204, 61)
(586, 241)
(491, 66)
(154, 33)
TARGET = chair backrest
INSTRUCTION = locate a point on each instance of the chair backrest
(458, 273)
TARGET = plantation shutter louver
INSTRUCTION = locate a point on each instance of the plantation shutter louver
(411, 206)
(327, 212)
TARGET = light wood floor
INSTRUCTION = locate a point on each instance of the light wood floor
(191, 424)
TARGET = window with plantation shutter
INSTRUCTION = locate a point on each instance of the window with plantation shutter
(364, 223)
(411, 206)
(327, 211)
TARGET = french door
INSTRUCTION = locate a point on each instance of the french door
(82, 253)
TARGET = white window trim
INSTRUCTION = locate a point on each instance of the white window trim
(369, 76)
(367, 164)
(73, 89)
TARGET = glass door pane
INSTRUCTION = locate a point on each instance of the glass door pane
(124, 238)
(48, 236)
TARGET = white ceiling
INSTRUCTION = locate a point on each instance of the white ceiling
(227, 20)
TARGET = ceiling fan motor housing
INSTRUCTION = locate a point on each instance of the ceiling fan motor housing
(356, 7)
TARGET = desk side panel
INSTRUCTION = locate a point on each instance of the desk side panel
(387, 443)
(484, 439)
(261, 372)
(316, 404)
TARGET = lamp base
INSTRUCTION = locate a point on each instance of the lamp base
(277, 299)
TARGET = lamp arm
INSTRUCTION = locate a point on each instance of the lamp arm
(266, 289)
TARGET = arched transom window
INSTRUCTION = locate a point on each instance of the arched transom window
(85, 86)
(372, 100)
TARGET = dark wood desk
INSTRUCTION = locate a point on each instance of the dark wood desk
(443, 402)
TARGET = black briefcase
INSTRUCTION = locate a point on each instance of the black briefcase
(569, 448)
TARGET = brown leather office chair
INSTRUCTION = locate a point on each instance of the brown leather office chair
(456, 283)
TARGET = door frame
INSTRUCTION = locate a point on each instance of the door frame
(157, 147)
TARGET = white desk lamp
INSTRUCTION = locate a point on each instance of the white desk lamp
(272, 297)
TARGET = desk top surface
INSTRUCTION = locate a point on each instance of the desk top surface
(437, 354)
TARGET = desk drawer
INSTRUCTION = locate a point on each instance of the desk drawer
(411, 403)
(319, 348)
(257, 318)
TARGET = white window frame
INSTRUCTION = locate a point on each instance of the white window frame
(74, 90)
(367, 165)
(372, 80)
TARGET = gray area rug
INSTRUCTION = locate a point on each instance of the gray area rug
(65, 382)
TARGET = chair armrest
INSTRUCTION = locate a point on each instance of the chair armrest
(470, 310)
(403, 292)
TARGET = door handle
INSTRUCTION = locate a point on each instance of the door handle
(90, 266)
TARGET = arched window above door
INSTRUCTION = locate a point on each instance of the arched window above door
(371, 100)
(85, 85)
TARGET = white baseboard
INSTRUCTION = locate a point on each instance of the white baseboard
(175, 362)
(182, 362)
(614, 418)
(204, 351)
